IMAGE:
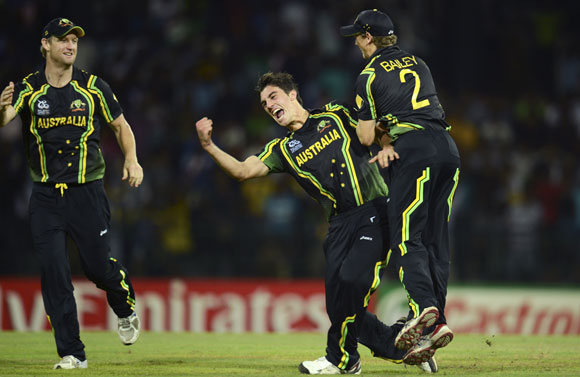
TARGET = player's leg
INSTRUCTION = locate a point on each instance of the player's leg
(49, 238)
(341, 346)
(445, 177)
(89, 225)
(380, 338)
(353, 249)
(410, 192)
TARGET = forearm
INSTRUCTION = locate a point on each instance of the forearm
(228, 163)
(7, 114)
(365, 131)
(126, 141)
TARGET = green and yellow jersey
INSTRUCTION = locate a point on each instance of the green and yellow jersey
(61, 126)
(327, 160)
(397, 88)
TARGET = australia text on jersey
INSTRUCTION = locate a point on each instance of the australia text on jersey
(74, 120)
(310, 152)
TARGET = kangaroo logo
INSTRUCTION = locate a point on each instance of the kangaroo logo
(64, 22)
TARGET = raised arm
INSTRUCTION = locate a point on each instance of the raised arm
(7, 112)
(251, 167)
(131, 168)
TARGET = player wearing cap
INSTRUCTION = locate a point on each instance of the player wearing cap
(322, 153)
(396, 90)
(62, 110)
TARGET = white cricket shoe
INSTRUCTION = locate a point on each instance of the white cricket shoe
(323, 366)
(70, 362)
(430, 366)
(128, 329)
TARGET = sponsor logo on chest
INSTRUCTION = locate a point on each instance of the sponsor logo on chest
(42, 107)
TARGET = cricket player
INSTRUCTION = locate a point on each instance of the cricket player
(321, 151)
(63, 109)
(396, 89)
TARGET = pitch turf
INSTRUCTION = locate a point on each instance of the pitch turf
(187, 354)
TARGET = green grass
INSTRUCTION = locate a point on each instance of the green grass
(188, 354)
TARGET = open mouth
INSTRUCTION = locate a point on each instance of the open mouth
(278, 114)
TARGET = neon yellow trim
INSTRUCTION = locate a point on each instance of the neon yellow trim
(452, 195)
(345, 152)
(34, 130)
(370, 95)
(124, 285)
(412, 304)
(23, 94)
(344, 331)
(90, 129)
(376, 281)
(412, 207)
(268, 149)
(410, 125)
(104, 106)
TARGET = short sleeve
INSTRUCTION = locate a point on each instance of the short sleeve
(364, 99)
(271, 156)
(22, 91)
(109, 106)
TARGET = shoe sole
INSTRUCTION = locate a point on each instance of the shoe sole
(408, 337)
(418, 356)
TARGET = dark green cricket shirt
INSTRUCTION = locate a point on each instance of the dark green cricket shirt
(327, 160)
(397, 86)
(61, 126)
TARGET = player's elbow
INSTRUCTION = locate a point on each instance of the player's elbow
(365, 140)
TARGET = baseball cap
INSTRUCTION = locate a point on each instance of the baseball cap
(59, 27)
(374, 21)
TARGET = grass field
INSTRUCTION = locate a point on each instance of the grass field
(187, 354)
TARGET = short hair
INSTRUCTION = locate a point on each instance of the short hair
(282, 80)
(385, 41)
(42, 50)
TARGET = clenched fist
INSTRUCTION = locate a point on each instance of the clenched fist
(204, 127)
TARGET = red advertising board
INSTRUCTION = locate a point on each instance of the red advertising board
(180, 305)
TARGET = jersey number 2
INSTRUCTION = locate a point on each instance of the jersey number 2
(420, 104)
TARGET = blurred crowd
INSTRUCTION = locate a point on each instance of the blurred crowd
(507, 73)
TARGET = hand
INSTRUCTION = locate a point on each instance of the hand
(204, 128)
(134, 172)
(6, 96)
(385, 155)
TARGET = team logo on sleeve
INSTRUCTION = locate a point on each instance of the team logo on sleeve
(359, 101)
(294, 145)
(77, 105)
(42, 107)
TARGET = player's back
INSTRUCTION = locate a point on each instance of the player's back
(399, 84)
